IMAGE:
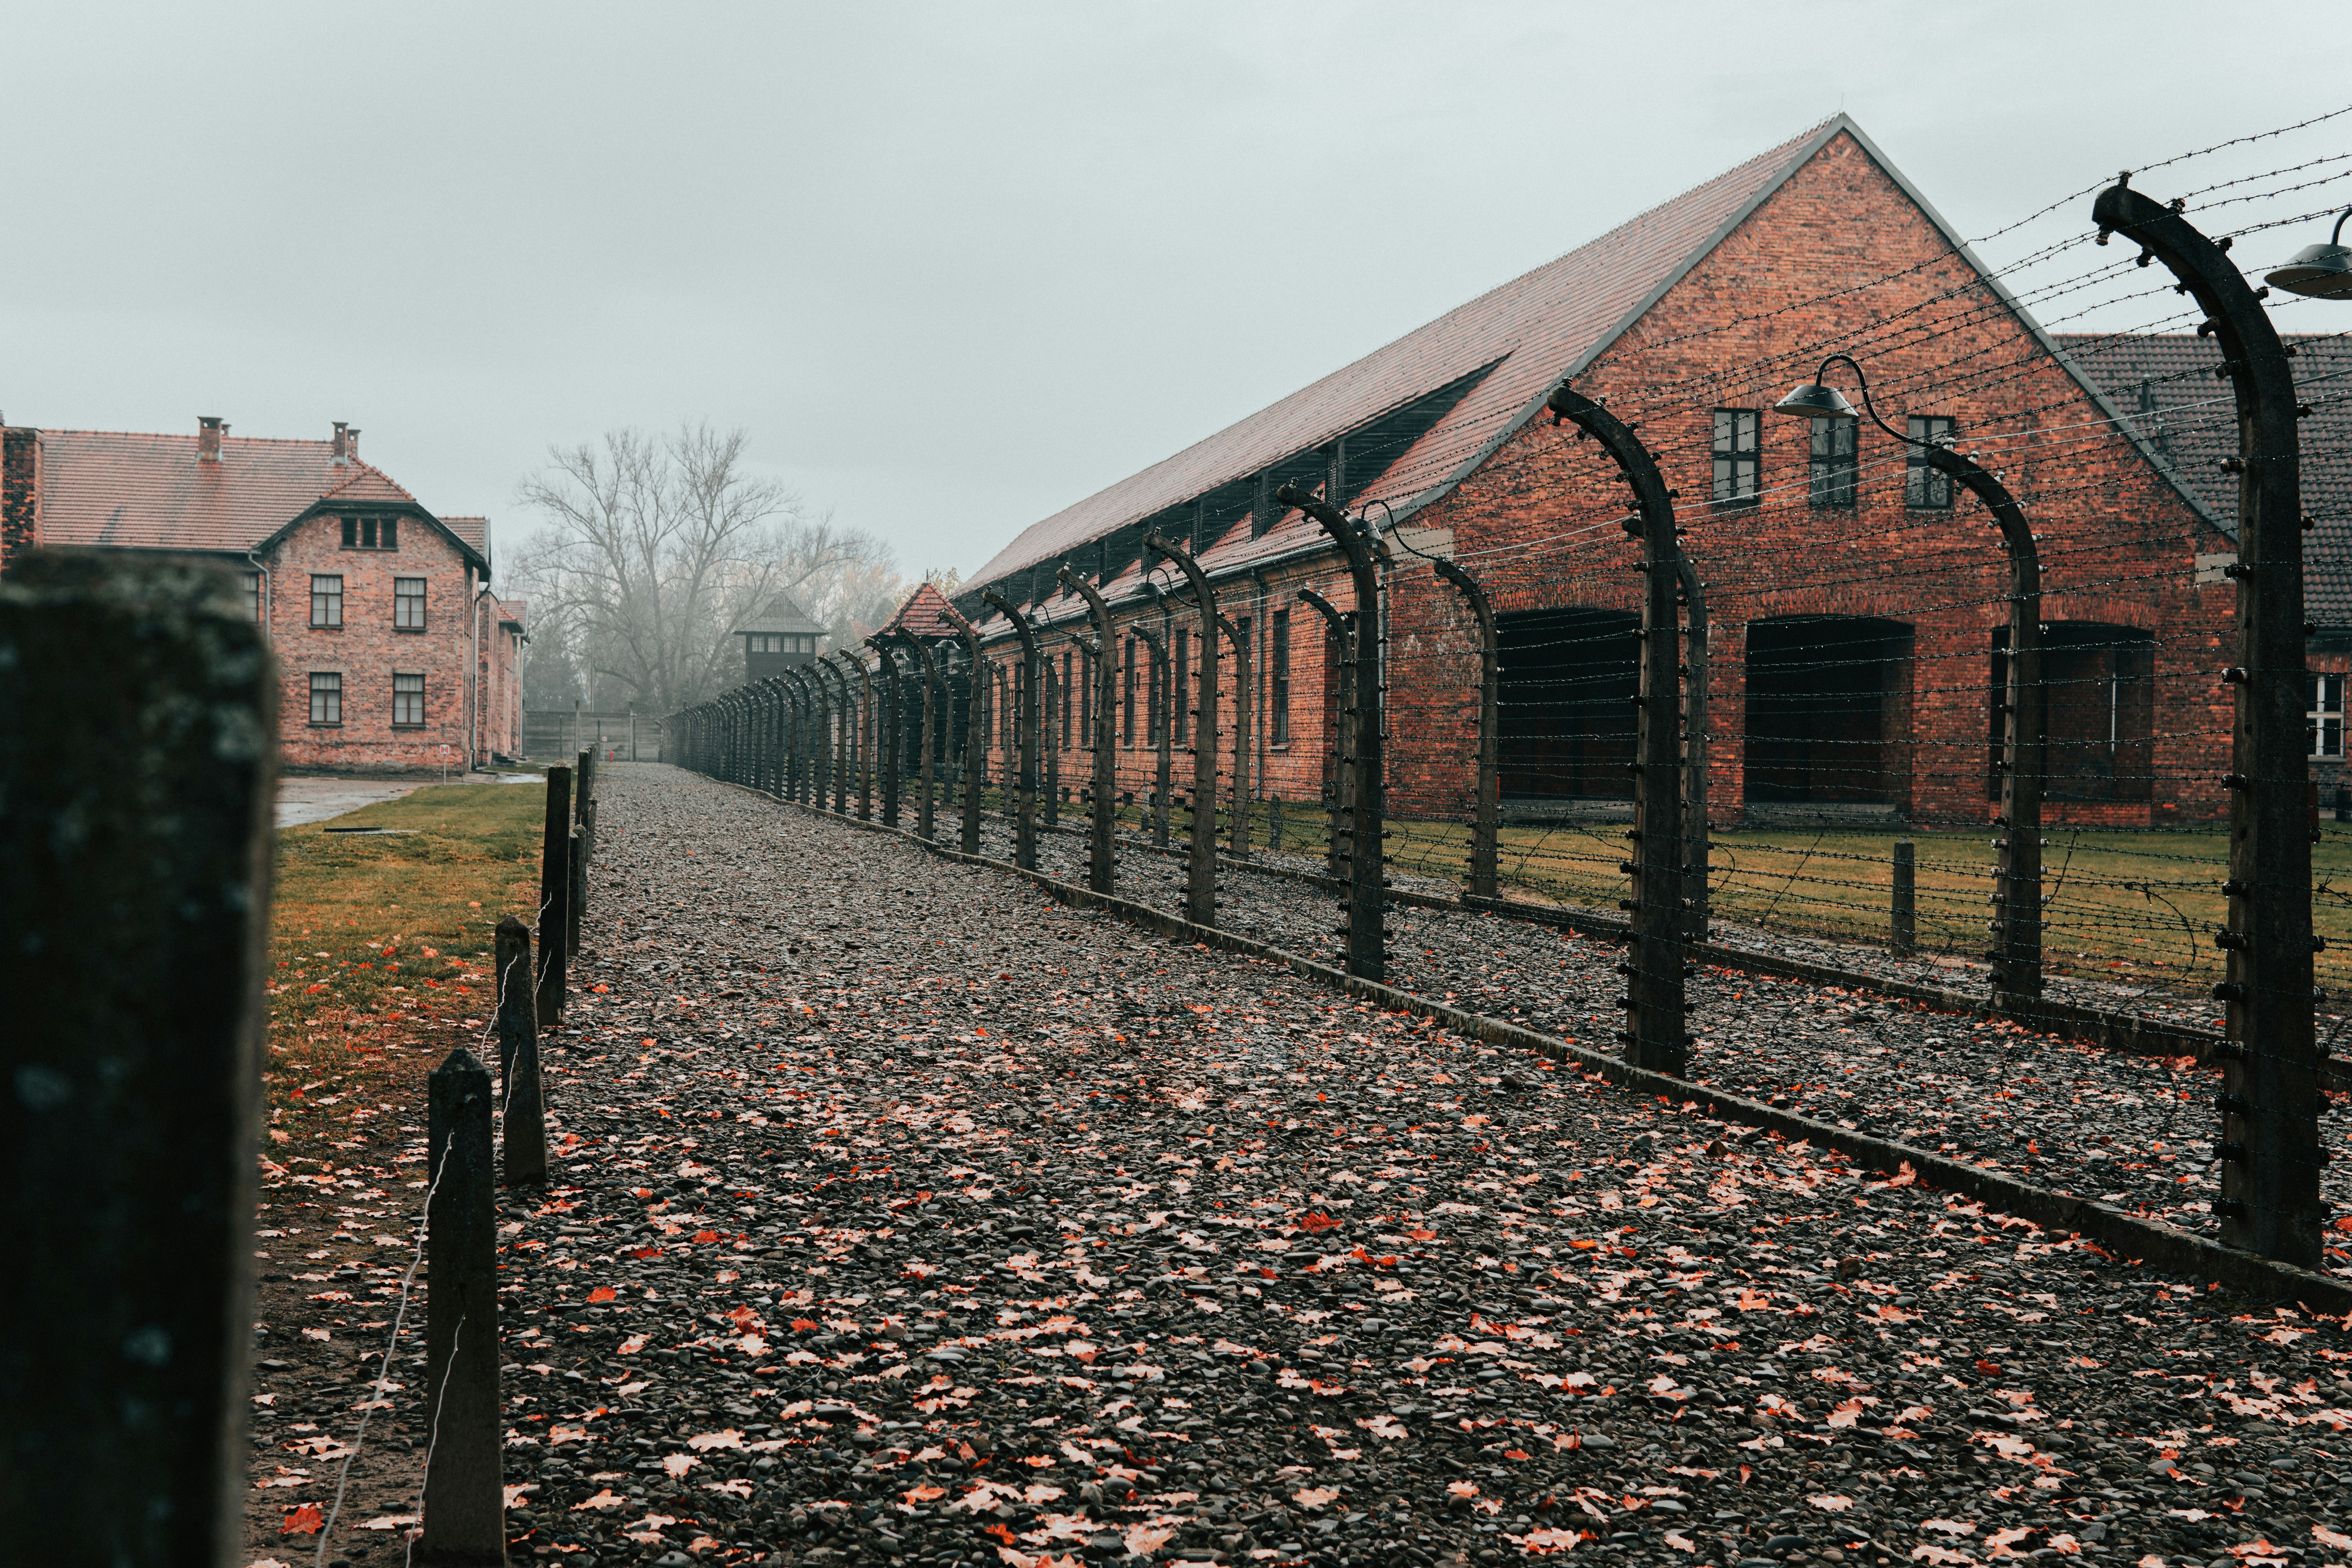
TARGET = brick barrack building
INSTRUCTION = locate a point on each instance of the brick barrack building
(1856, 599)
(393, 651)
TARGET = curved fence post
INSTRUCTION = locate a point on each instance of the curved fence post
(865, 732)
(2269, 1138)
(975, 741)
(1025, 695)
(1159, 727)
(1339, 790)
(935, 703)
(1100, 845)
(1485, 823)
(893, 729)
(1365, 932)
(1200, 869)
(1696, 828)
(1656, 1032)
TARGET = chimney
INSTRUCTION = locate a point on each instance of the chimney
(210, 428)
(351, 442)
(342, 448)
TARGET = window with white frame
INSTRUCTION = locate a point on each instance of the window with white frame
(2323, 725)
(408, 604)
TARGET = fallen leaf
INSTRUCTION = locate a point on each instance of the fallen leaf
(1384, 1427)
(1463, 1488)
(1318, 1496)
(1831, 1503)
(1680, 1543)
(2335, 1538)
(304, 1521)
(1926, 1553)
(678, 1463)
(923, 1494)
(705, 1442)
(603, 1294)
(603, 1499)
(1948, 1526)
(1143, 1539)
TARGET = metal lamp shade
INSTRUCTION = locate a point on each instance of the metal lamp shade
(1812, 400)
(2321, 271)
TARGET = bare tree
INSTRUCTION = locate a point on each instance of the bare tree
(654, 549)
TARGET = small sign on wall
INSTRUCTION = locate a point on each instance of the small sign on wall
(2212, 568)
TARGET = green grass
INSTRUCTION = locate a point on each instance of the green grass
(2135, 906)
(405, 926)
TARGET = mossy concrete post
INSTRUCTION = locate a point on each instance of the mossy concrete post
(138, 746)
(575, 894)
(465, 1502)
(524, 1121)
(554, 894)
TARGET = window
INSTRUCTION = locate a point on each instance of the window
(408, 604)
(771, 642)
(326, 697)
(371, 533)
(2324, 716)
(408, 702)
(252, 595)
(1278, 698)
(1923, 486)
(326, 601)
(1831, 465)
(1126, 730)
(1736, 457)
(1180, 705)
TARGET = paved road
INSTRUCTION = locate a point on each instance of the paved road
(301, 800)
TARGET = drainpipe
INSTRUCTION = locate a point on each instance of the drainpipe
(268, 585)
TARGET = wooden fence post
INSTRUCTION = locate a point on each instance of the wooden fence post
(554, 894)
(524, 1121)
(464, 1505)
(138, 750)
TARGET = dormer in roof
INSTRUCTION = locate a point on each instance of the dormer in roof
(781, 636)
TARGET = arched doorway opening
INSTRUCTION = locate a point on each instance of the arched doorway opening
(1569, 680)
(1827, 710)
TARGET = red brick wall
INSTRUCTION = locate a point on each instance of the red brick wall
(1838, 260)
(2115, 539)
(367, 650)
(499, 728)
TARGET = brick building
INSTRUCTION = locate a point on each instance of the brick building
(393, 651)
(1857, 600)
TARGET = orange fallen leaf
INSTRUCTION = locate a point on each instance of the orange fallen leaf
(304, 1521)
(603, 1294)
(1317, 1221)
(705, 1236)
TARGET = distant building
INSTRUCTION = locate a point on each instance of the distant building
(780, 637)
(393, 652)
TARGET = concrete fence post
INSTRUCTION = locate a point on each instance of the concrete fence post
(138, 746)
(465, 1502)
(1905, 910)
(554, 894)
(524, 1120)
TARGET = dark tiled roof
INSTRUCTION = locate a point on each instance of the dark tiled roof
(1477, 371)
(106, 488)
(474, 531)
(781, 614)
(122, 490)
(2165, 384)
(927, 615)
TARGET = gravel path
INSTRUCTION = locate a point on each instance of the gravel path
(905, 1218)
(2134, 1131)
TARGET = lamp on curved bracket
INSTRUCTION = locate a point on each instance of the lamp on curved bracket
(2319, 271)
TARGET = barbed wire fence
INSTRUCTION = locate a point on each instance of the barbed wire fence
(1933, 716)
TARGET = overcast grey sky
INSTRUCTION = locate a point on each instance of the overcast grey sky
(954, 266)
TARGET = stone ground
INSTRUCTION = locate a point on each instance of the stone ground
(2136, 1131)
(905, 1217)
